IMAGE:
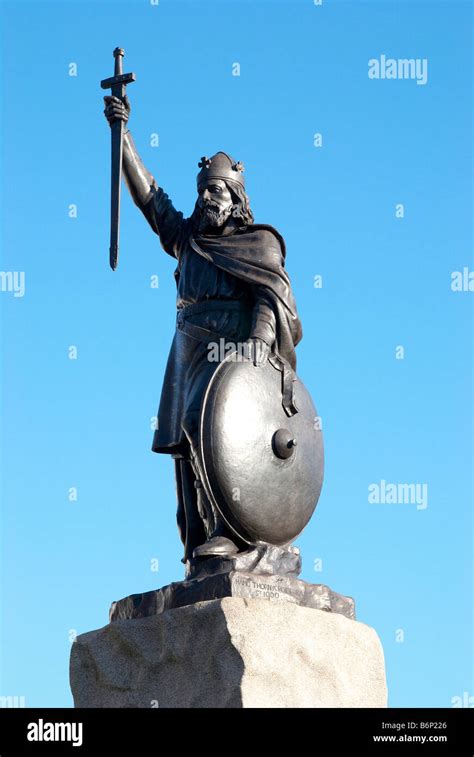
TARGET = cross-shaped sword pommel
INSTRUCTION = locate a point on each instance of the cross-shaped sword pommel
(117, 83)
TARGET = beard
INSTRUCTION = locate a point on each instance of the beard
(213, 215)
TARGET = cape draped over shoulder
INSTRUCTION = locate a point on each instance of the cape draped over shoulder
(256, 254)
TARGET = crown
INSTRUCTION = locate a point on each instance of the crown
(221, 166)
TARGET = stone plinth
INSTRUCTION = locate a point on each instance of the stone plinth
(231, 652)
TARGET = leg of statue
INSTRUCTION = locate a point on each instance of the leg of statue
(189, 518)
(219, 541)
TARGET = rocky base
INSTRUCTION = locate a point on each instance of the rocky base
(275, 589)
(232, 652)
(262, 572)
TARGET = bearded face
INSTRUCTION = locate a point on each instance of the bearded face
(215, 203)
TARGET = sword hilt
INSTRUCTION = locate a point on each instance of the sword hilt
(119, 80)
(119, 52)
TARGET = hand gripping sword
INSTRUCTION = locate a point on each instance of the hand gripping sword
(117, 83)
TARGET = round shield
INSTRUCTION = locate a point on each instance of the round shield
(261, 449)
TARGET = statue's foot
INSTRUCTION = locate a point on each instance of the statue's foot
(216, 546)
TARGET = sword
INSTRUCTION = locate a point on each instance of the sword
(117, 83)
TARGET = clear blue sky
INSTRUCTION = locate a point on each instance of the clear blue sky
(85, 423)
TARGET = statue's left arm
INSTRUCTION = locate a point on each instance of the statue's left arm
(263, 318)
(275, 321)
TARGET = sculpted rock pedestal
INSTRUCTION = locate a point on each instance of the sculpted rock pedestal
(263, 571)
(231, 652)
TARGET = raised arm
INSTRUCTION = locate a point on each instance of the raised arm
(154, 203)
(140, 182)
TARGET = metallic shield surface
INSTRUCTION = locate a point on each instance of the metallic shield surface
(262, 468)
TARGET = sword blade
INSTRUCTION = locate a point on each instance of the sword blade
(117, 84)
(116, 176)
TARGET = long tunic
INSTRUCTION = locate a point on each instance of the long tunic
(223, 306)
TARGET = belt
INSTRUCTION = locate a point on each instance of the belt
(207, 306)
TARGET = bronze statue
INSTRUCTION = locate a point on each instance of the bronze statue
(239, 483)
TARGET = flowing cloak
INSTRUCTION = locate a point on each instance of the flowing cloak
(255, 255)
